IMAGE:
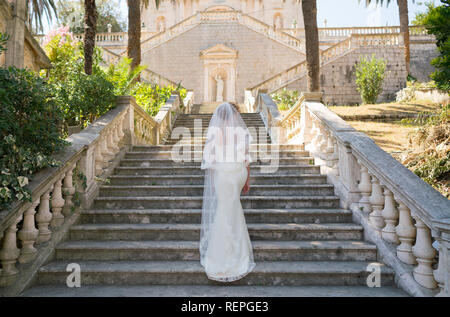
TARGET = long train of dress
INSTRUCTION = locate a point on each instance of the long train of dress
(229, 255)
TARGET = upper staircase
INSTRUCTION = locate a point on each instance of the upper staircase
(141, 236)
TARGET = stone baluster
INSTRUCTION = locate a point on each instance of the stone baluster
(120, 125)
(69, 191)
(334, 159)
(425, 253)
(365, 189)
(110, 141)
(406, 233)
(98, 159)
(390, 215)
(43, 217)
(9, 254)
(115, 134)
(28, 234)
(329, 148)
(442, 273)
(107, 153)
(322, 144)
(57, 204)
(316, 136)
(376, 200)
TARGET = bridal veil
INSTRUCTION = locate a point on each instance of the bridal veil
(225, 247)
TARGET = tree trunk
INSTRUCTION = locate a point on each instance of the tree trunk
(404, 30)
(309, 8)
(90, 21)
(134, 32)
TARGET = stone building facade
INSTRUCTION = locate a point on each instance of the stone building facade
(277, 13)
(23, 50)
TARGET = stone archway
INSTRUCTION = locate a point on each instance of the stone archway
(219, 64)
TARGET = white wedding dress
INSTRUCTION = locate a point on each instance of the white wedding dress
(225, 247)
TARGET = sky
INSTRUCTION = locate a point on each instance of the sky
(345, 13)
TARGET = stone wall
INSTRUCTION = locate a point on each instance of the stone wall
(258, 57)
(338, 79)
(421, 56)
(4, 17)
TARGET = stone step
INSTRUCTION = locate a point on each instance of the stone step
(205, 121)
(191, 231)
(197, 190)
(199, 179)
(94, 216)
(191, 153)
(189, 250)
(195, 170)
(190, 160)
(211, 291)
(191, 272)
(254, 147)
(195, 202)
(201, 141)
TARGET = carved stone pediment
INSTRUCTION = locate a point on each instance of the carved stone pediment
(219, 51)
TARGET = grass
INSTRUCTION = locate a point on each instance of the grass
(381, 109)
(390, 136)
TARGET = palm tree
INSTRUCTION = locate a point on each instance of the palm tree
(309, 8)
(90, 21)
(36, 9)
(134, 29)
(404, 25)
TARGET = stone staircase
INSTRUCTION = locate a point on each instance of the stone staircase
(141, 236)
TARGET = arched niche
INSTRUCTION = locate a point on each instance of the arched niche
(278, 20)
(219, 60)
(160, 24)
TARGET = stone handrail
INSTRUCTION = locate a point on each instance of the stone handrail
(169, 33)
(273, 33)
(290, 123)
(347, 31)
(59, 193)
(218, 16)
(400, 213)
(296, 72)
(155, 78)
(146, 75)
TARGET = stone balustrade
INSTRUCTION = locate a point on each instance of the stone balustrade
(270, 31)
(174, 30)
(342, 32)
(147, 75)
(29, 231)
(400, 213)
(294, 73)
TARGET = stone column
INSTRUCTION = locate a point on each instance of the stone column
(16, 30)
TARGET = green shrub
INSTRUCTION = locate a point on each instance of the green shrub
(123, 77)
(151, 96)
(3, 39)
(369, 78)
(436, 21)
(285, 99)
(29, 131)
(82, 98)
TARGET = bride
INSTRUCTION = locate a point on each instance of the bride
(225, 248)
